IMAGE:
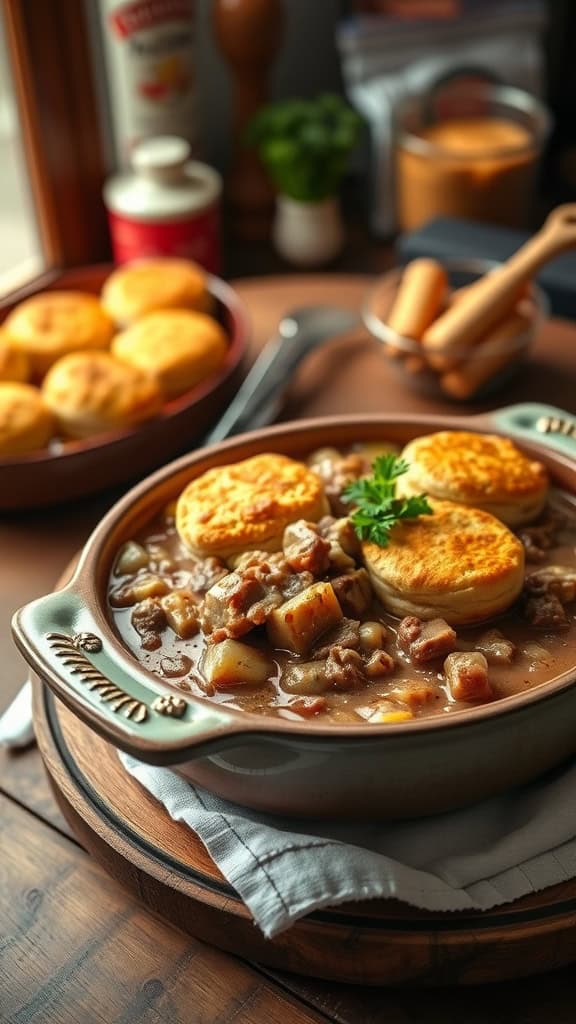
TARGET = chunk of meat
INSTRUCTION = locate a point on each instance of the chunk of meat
(345, 669)
(559, 580)
(344, 550)
(354, 592)
(538, 539)
(304, 549)
(178, 665)
(496, 648)
(379, 664)
(345, 634)
(149, 621)
(337, 472)
(424, 641)
(205, 574)
(545, 610)
(246, 597)
(466, 673)
(308, 707)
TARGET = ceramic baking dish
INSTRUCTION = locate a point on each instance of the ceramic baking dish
(298, 768)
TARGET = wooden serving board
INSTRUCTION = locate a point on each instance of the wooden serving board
(162, 863)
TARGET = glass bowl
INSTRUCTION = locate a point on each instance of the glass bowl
(473, 373)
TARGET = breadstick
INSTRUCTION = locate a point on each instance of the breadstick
(419, 298)
(466, 379)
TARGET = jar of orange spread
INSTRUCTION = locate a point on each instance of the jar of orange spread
(474, 157)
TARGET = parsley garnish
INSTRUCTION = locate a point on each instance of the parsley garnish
(378, 509)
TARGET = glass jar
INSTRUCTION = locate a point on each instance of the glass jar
(468, 151)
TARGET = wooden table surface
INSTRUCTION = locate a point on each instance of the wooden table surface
(73, 946)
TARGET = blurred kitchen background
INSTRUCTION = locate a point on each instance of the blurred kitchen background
(370, 51)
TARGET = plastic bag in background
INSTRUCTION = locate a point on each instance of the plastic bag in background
(385, 58)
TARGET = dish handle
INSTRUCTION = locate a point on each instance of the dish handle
(106, 689)
(546, 425)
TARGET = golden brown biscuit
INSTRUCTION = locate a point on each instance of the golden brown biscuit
(460, 563)
(91, 392)
(135, 289)
(177, 346)
(482, 470)
(14, 364)
(25, 422)
(246, 506)
(51, 324)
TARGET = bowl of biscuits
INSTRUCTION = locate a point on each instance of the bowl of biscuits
(354, 617)
(107, 372)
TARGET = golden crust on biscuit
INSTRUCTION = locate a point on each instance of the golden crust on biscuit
(14, 364)
(179, 347)
(25, 422)
(51, 324)
(90, 392)
(460, 563)
(245, 506)
(135, 289)
(483, 470)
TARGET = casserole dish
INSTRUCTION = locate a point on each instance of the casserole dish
(274, 764)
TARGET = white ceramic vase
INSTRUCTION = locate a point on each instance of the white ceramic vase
(308, 234)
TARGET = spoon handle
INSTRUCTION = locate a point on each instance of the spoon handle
(492, 296)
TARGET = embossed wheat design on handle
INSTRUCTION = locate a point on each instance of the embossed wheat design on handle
(69, 650)
(556, 425)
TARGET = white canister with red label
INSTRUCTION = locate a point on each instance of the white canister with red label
(169, 205)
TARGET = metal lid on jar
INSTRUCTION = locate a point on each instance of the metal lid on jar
(164, 184)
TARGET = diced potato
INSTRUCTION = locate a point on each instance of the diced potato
(372, 636)
(391, 716)
(149, 586)
(467, 676)
(181, 612)
(131, 558)
(307, 678)
(415, 692)
(231, 663)
(139, 590)
(384, 711)
(296, 624)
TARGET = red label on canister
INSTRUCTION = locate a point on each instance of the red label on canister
(194, 238)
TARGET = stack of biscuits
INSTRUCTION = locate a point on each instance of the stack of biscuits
(74, 364)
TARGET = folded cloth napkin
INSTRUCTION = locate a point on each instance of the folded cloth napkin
(16, 727)
(475, 858)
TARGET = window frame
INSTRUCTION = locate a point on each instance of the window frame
(52, 67)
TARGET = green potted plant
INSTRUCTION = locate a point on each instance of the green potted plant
(305, 146)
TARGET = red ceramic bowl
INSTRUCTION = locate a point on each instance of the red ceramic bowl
(76, 468)
(304, 768)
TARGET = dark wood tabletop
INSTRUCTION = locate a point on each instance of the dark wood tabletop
(73, 946)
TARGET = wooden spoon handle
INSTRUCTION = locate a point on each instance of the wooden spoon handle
(492, 296)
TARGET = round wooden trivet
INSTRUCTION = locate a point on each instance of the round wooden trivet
(162, 863)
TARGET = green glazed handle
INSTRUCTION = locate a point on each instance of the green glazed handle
(108, 690)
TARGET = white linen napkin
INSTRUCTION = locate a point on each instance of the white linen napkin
(16, 726)
(475, 858)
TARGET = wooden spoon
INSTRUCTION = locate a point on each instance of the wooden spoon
(488, 300)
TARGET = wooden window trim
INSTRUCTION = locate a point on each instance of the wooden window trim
(52, 68)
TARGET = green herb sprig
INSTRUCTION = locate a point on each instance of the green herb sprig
(378, 509)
